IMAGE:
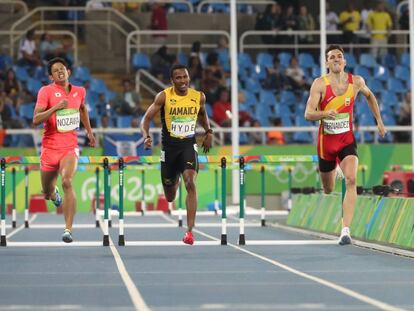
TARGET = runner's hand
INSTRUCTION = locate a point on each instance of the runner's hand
(92, 140)
(147, 143)
(330, 114)
(381, 129)
(207, 142)
(62, 104)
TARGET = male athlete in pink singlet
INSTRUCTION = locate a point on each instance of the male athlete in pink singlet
(61, 106)
(331, 100)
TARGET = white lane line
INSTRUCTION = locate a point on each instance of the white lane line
(170, 243)
(290, 242)
(21, 227)
(134, 294)
(55, 244)
(368, 300)
(61, 226)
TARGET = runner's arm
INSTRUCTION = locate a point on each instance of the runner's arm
(41, 114)
(202, 114)
(312, 113)
(151, 112)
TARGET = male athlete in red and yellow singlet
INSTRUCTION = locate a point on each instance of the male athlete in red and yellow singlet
(61, 106)
(331, 100)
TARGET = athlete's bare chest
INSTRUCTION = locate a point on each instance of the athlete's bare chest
(339, 89)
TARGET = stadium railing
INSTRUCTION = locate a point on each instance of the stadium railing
(204, 3)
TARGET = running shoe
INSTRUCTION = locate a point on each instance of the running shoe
(58, 199)
(188, 238)
(345, 237)
(67, 236)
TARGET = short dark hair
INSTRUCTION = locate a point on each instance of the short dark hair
(333, 47)
(53, 61)
(175, 67)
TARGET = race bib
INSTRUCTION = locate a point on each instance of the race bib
(337, 126)
(67, 120)
(183, 127)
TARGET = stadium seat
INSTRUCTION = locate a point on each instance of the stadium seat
(21, 73)
(5, 61)
(250, 100)
(302, 137)
(394, 84)
(123, 121)
(316, 72)
(244, 61)
(33, 86)
(182, 58)
(288, 98)
(141, 61)
(224, 59)
(402, 73)
(362, 71)
(284, 59)
(179, 7)
(26, 111)
(98, 86)
(350, 60)
(375, 85)
(264, 59)
(381, 73)
(306, 60)
(389, 98)
(389, 60)
(253, 84)
(81, 73)
(405, 59)
(367, 60)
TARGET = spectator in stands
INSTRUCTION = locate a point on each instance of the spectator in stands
(213, 78)
(364, 38)
(332, 22)
(195, 66)
(159, 21)
(276, 137)
(295, 75)
(161, 62)
(306, 22)
(28, 55)
(270, 19)
(125, 7)
(404, 118)
(350, 19)
(275, 78)
(255, 138)
(8, 113)
(129, 100)
(290, 22)
(404, 20)
(379, 20)
(11, 85)
(51, 48)
(222, 108)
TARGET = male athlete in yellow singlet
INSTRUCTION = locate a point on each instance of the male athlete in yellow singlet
(181, 107)
(331, 100)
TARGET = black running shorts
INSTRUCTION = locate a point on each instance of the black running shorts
(327, 166)
(175, 160)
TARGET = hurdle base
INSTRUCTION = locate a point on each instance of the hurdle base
(121, 240)
(14, 225)
(3, 241)
(26, 224)
(242, 240)
(97, 224)
(224, 239)
(263, 222)
(180, 223)
(106, 240)
(110, 223)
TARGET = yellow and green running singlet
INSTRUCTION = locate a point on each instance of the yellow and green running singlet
(179, 114)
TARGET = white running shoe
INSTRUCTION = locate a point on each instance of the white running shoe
(345, 237)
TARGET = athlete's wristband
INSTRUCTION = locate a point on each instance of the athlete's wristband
(209, 131)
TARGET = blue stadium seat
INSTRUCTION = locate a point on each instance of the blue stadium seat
(381, 73)
(264, 59)
(367, 60)
(244, 61)
(21, 73)
(405, 59)
(316, 72)
(362, 71)
(81, 73)
(26, 111)
(33, 86)
(224, 58)
(350, 61)
(389, 60)
(209, 110)
(306, 60)
(402, 72)
(267, 97)
(141, 61)
(98, 86)
(302, 137)
(395, 85)
(375, 85)
(5, 61)
(123, 121)
(288, 98)
(179, 7)
(389, 98)
(253, 84)
(182, 58)
(284, 59)
(250, 100)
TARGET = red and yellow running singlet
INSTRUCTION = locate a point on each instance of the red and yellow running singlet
(335, 134)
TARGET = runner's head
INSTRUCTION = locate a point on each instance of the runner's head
(180, 78)
(335, 58)
(58, 71)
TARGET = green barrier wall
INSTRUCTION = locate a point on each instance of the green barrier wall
(387, 220)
